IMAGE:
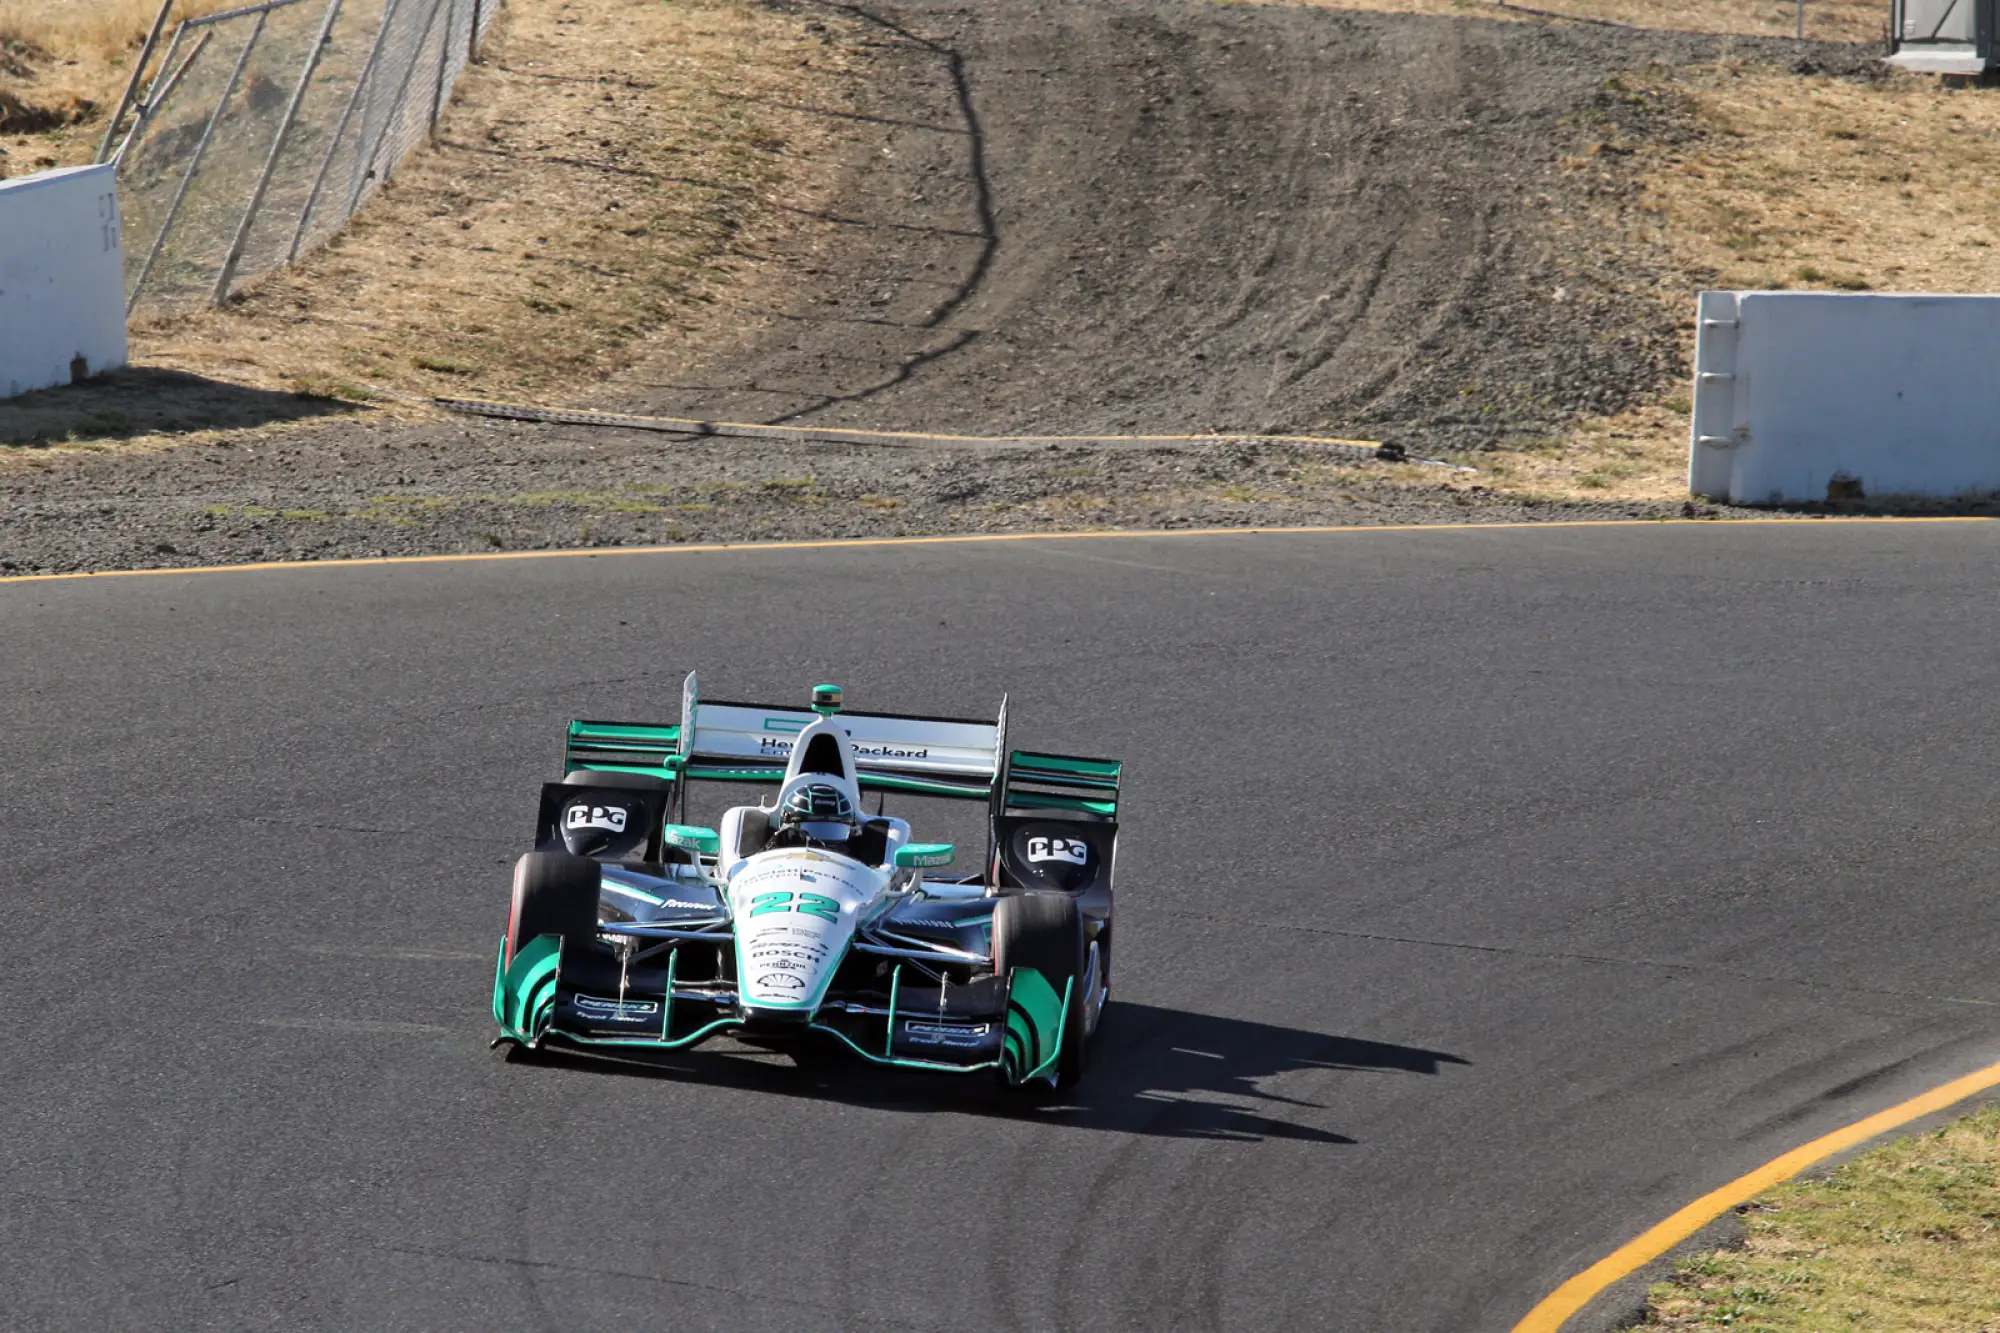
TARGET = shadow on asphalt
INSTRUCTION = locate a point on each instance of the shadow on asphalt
(1154, 1071)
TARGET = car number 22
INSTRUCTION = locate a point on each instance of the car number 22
(810, 904)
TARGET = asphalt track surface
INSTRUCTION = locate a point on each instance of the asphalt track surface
(1486, 895)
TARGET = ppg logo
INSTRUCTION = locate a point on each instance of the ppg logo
(610, 818)
(1058, 849)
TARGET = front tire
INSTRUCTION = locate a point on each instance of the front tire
(554, 894)
(1044, 931)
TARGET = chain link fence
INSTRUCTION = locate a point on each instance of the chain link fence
(258, 132)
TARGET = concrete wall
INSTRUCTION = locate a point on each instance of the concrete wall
(62, 278)
(1802, 393)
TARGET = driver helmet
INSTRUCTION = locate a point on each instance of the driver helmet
(821, 811)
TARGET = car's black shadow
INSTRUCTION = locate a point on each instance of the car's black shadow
(1154, 1071)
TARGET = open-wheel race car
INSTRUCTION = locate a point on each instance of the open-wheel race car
(807, 923)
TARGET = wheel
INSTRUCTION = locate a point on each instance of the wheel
(554, 894)
(1045, 931)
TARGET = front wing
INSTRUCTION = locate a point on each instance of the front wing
(1014, 1027)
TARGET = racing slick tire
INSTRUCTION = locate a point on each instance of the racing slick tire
(1045, 931)
(554, 894)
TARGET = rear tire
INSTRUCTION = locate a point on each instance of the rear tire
(1045, 931)
(554, 894)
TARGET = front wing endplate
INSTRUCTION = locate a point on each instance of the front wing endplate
(524, 990)
(1035, 1018)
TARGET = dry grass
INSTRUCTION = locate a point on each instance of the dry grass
(1641, 454)
(1813, 182)
(91, 30)
(1825, 20)
(63, 64)
(1903, 1240)
(582, 194)
(610, 173)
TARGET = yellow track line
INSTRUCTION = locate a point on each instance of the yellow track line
(961, 539)
(1555, 1309)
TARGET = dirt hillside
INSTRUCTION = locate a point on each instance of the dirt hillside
(1189, 216)
(1061, 216)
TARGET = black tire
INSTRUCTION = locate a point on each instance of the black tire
(554, 894)
(612, 780)
(1045, 931)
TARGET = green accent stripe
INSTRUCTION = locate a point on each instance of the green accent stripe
(1043, 800)
(624, 735)
(663, 770)
(1096, 779)
(1105, 771)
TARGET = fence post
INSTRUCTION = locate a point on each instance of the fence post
(395, 113)
(160, 89)
(138, 69)
(472, 37)
(333, 145)
(200, 149)
(444, 64)
(235, 255)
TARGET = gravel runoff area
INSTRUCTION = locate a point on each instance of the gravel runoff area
(1140, 216)
(366, 490)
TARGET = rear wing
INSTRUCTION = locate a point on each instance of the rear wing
(1059, 782)
(926, 756)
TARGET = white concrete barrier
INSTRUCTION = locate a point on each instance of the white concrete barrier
(1805, 396)
(62, 278)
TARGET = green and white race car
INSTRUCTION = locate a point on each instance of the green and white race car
(806, 923)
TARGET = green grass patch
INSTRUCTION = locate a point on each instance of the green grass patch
(443, 365)
(1905, 1239)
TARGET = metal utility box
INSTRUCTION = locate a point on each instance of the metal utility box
(62, 278)
(1942, 36)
